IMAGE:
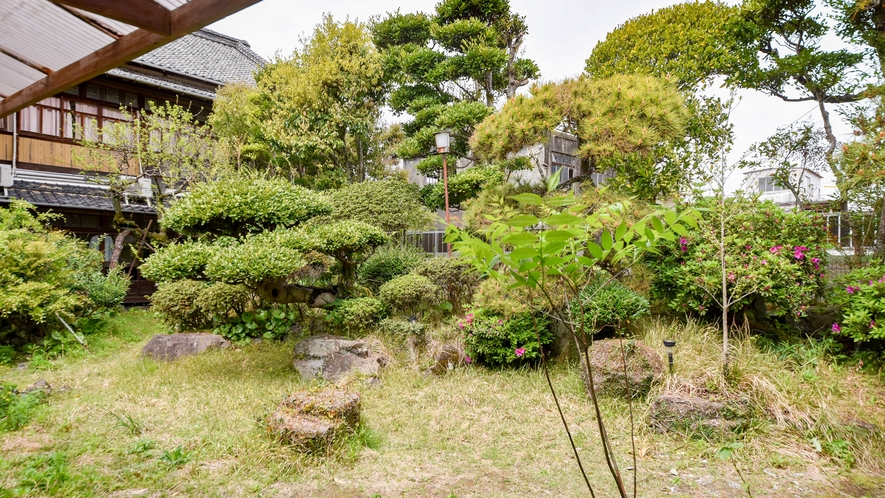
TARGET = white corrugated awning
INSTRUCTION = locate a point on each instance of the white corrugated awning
(49, 46)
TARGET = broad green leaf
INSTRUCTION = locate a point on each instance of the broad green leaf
(670, 217)
(553, 182)
(622, 229)
(527, 198)
(553, 247)
(606, 240)
(563, 219)
(690, 220)
(559, 235)
(656, 223)
(524, 252)
(522, 221)
(566, 200)
(520, 239)
(649, 234)
(679, 229)
(595, 250)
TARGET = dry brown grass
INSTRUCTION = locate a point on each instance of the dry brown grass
(472, 432)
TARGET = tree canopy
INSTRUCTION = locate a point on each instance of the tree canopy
(618, 121)
(447, 69)
(690, 42)
(314, 115)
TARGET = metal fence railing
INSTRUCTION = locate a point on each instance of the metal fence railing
(431, 241)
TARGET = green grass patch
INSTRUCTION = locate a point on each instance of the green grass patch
(116, 422)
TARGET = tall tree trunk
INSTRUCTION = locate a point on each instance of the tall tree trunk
(880, 234)
(724, 276)
(118, 249)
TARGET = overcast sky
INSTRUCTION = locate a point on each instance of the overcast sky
(562, 33)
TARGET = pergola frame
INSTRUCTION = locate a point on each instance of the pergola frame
(156, 26)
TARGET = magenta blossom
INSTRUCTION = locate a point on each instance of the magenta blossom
(776, 249)
(467, 359)
(683, 244)
(731, 277)
(851, 289)
(816, 263)
(799, 252)
(519, 352)
(872, 324)
(836, 328)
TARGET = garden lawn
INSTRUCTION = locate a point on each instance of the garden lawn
(119, 425)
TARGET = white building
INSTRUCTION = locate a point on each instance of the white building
(763, 181)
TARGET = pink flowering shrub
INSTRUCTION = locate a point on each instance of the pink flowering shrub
(497, 340)
(772, 256)
(861, 299)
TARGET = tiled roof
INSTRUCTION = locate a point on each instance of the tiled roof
(206, 55)
(68, 196)
(174, 86)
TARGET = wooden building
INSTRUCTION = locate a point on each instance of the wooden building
(39, 143)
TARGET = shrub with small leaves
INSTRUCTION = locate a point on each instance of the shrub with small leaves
(410, 294)
(611, 304)
(402, 329)
(504, 341)
(456, 277)
(223, 300)
(861, 298)
(44, 273)
(388, 262)
(356, 316)
(176, 305)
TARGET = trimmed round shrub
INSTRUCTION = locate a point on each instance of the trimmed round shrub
(504, 341)
(410, 294)
(176, 305)
(456, 277)
(355, 316)
(389, 261)
(223, 300)
(610, 304)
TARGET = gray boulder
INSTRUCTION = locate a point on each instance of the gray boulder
(333, 357)
(644, 368)
(174, 346)
(312, 421)
(693, 414)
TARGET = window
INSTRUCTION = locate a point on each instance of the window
(67, 116)
(769, 184)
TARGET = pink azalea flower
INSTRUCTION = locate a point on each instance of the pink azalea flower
(776, 249)
(731, 277)
(850, 289)
(519, 352)
(836, 328)
(467, 359)
(816, 263)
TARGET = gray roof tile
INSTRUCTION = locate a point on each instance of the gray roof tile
(207, 55)
(69, 196)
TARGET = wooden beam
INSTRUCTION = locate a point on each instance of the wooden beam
(145, 14)
(32, 65)
(185, 19)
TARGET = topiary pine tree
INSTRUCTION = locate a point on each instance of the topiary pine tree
(447, 70)
(259, 233)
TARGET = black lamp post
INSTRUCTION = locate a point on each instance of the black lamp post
(670, 348)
